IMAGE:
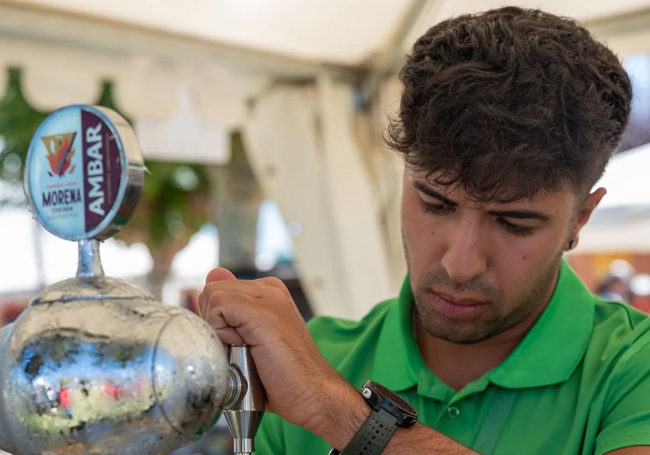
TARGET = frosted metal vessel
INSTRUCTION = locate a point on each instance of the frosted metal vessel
(95, 365)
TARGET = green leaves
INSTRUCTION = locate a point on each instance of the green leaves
(18, 123)
(174, 200)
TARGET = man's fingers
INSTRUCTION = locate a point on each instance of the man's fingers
(239, 312)
(228, 281)
(236, 308)
(277, 283)
(226, 309)
(230, 336)
(254, 289)
(202, 301)
(219, 274)
(199, 303)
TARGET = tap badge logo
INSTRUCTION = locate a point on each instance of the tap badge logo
(59, 153)
(78, 174)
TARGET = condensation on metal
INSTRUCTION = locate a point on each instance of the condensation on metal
(109, 376)
(96, 366)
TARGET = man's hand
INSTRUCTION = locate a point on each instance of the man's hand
(301, 386)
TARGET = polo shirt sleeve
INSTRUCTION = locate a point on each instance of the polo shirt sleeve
(626, 413)
(270, 436)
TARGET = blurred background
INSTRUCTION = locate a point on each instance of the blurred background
(261, 125)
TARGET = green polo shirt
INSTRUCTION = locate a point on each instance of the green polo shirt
(579, 382)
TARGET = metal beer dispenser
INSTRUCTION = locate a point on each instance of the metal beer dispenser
(95, 365)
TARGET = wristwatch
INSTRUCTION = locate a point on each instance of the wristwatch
(389, 412)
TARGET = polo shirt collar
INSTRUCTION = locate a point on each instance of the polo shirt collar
(547, 355)
(557, 342)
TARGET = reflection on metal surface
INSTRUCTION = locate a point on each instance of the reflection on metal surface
(95, 365)
(89, 263)
(108, 377)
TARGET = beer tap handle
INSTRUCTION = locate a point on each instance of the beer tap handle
(245, 408)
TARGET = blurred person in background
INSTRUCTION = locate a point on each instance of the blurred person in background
(614, 288)
(9, 311)
(64, 398)
(640, 292)
(507, 121)
(616, 285)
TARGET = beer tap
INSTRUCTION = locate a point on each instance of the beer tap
(244, 415)
(95, 364)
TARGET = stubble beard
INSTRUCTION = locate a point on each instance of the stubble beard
(476, 330)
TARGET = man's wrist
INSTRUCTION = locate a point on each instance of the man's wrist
(344, 413)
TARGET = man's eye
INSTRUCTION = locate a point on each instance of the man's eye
(516, 229)
(434, 208)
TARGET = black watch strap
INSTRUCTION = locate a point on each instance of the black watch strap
(373, 436)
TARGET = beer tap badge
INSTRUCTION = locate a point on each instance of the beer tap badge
(77, 172)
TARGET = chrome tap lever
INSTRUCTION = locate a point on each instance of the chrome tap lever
(245, 409)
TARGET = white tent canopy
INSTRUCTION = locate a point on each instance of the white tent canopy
(287, 72)
(224, 52)
(627, 181)
(343, 32)
(621, 223)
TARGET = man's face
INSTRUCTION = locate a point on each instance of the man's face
(477, 270)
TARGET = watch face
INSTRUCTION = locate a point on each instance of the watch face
(392, 397)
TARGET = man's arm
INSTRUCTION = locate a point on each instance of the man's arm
(301, 386)
(306, 391)
(348, 412)
(421, 439)
(637, 450)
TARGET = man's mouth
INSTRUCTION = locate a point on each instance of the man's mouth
(458, 307)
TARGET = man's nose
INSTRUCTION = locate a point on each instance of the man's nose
(465, 258)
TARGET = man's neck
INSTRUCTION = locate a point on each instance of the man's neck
(459, 364)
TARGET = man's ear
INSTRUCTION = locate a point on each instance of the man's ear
(585, 210)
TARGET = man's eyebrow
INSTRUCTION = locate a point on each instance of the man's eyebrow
(520, 214)
(517, 214)
(429, 192)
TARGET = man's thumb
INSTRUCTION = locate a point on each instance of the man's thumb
(219, 274)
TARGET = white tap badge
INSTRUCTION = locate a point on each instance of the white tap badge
(76, 172)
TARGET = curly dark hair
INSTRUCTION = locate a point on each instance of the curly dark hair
(510, 103)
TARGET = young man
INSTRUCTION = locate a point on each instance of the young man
(507, 121)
